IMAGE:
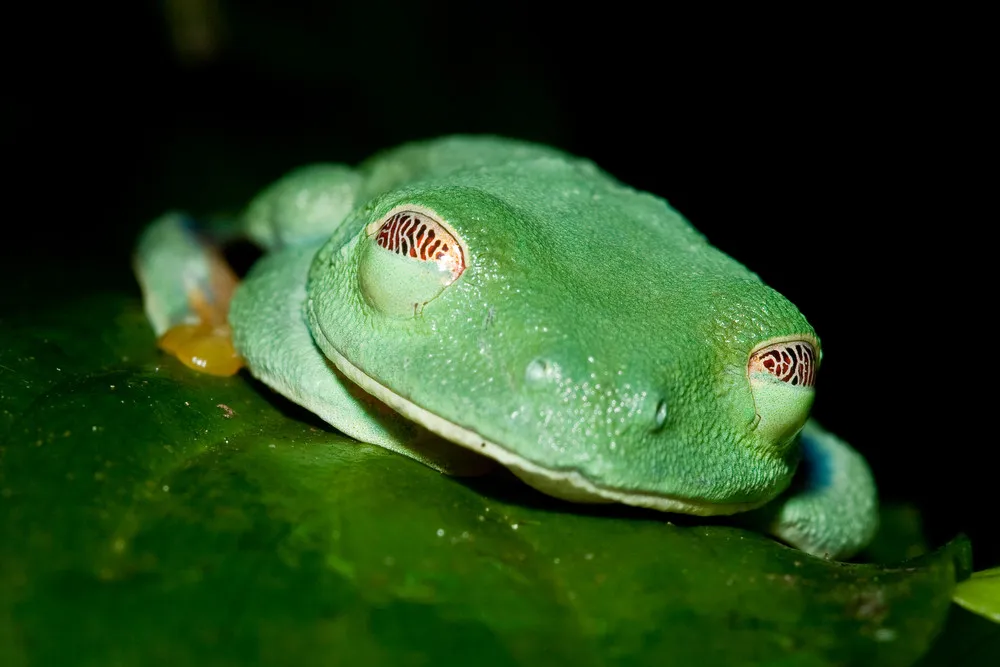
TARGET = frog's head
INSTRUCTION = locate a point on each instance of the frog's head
(577, 331)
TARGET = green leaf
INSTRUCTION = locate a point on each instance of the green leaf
(150, 515)
(900, 535)
(968, 640)
(980, 593)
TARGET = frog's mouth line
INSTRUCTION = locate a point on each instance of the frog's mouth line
(567, 484)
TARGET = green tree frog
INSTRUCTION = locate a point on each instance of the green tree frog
(477, 299)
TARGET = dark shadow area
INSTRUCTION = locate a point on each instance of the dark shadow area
(286, 407)
(241, 255)
(502, 485)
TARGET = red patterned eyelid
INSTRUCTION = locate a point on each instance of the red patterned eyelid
(791, 361)
(417, 235)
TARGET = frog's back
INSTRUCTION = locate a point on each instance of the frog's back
(435, 158)
(556, 198)
(553, 215)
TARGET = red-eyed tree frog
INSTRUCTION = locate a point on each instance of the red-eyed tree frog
(475, 298)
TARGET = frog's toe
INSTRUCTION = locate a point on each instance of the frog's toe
(203, 347)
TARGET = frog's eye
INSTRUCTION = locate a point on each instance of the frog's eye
(792, 361)
(782, 374)
(408, 258)
(419, 236)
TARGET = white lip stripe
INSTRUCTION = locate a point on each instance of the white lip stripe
(568, 484)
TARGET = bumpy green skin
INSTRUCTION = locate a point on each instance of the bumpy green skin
(615, 291)
(593, 330)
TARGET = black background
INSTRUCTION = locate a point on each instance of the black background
(838, 155)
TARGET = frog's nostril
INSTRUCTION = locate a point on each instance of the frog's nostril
(792, 361)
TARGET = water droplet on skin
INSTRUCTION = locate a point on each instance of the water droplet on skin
(661, 414)
(539, 370)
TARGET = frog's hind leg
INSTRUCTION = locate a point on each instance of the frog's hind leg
(186, 287)
(186, 282)
(831, 509)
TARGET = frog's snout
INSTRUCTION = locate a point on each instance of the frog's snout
(591, 390)
(782, 373)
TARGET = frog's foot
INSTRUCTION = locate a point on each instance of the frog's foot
(831, 509)
(187, 286)
(207, 344)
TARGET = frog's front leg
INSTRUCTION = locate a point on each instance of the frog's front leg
(271, 333)
(831, 508)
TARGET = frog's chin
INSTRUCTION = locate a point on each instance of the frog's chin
(561, 483)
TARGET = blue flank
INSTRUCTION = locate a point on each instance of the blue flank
(816, 466)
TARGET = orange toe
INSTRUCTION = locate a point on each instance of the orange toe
(207, 346)
(203, 347)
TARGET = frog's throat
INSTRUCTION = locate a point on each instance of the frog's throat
(566, 483)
